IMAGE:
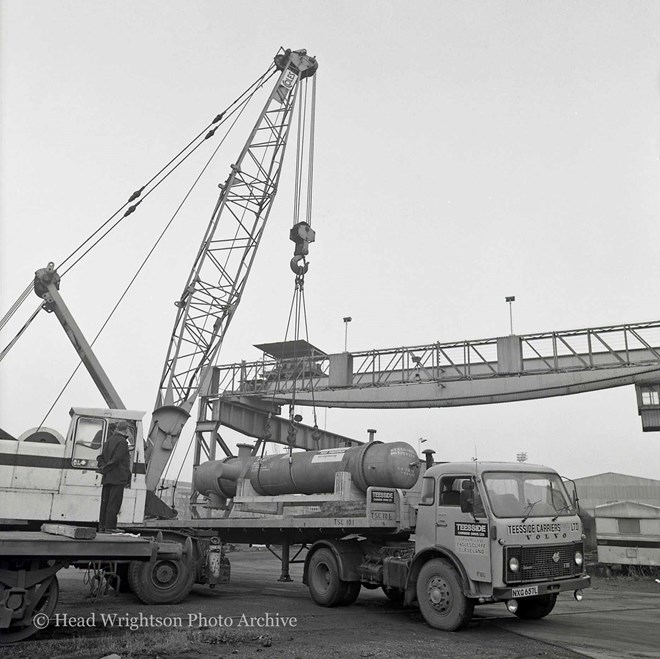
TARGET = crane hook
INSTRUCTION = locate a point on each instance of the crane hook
(296, 268)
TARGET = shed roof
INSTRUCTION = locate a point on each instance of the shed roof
(620, 478)
(628, 509)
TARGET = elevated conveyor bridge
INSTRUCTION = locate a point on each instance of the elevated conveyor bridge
(442, 374)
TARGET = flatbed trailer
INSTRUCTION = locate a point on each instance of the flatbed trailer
(46, 546)
(30, 561)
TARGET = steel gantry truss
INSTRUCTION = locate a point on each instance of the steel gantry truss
(477, 372)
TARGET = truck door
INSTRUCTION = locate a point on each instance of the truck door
(465, 534)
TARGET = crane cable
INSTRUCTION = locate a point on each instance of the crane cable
(138, 271)
(298, 309)
(237, 106)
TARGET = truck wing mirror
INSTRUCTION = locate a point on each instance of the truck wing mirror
(575, 500)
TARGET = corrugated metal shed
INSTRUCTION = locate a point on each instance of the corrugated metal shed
(625, 509)
(628, 533)
(610, 487)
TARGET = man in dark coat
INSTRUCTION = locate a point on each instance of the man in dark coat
(114, 463)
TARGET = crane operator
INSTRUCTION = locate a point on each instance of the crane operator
(114, 462)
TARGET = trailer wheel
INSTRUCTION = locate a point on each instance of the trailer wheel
(440, 596)
(534, 608)
(394, 594)
(325, 585)
(44, 607)
(352, 592)
(161, 582)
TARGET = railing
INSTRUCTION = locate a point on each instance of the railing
(550, 352)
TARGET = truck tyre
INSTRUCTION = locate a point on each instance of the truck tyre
(352, 592)
(325, 585)
(161, 582)
(394, 594)
(534, 608)
(440, 596)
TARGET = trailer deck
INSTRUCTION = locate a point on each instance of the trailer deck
(105, 546)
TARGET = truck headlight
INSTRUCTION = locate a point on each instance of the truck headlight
(578, 558)
(514, 564)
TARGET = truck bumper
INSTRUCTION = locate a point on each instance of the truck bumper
(543, 588)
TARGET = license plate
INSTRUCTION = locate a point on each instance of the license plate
(525, 592)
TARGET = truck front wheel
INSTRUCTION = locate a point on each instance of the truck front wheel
(441, 598)
(325, 584)
(352, 592)
(534, 608)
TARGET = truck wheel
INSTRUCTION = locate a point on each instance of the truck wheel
(45, 606)
(352, 592)
(440, 596)
(161, 582)
(534, 608)
(394, 594)
(325, 586)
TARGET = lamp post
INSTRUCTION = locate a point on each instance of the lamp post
(510, 299)
(347, 319)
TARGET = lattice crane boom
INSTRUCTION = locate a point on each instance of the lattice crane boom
(222, 265)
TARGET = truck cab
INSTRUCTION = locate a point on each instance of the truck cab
(508, 531)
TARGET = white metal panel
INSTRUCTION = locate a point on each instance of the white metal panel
(127, 512)
(629, 555)
(84, 507)
(35, 475)
(8, 447)
(26, 505)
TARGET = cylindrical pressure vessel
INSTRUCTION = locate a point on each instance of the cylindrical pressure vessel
(313, 472)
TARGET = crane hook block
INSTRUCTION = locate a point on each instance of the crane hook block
(301, 234)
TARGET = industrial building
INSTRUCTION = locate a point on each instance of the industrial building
(610, 488)
(628, 533)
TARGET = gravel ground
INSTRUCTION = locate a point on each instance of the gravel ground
(372, 627)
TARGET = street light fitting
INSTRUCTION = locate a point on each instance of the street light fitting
(510, 299)
(347, 319)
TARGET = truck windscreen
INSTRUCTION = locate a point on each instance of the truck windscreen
(526, 494)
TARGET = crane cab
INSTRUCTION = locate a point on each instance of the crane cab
(47, 478)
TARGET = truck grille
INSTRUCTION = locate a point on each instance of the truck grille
(539, 563)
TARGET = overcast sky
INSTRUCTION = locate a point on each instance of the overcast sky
(465, 151)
